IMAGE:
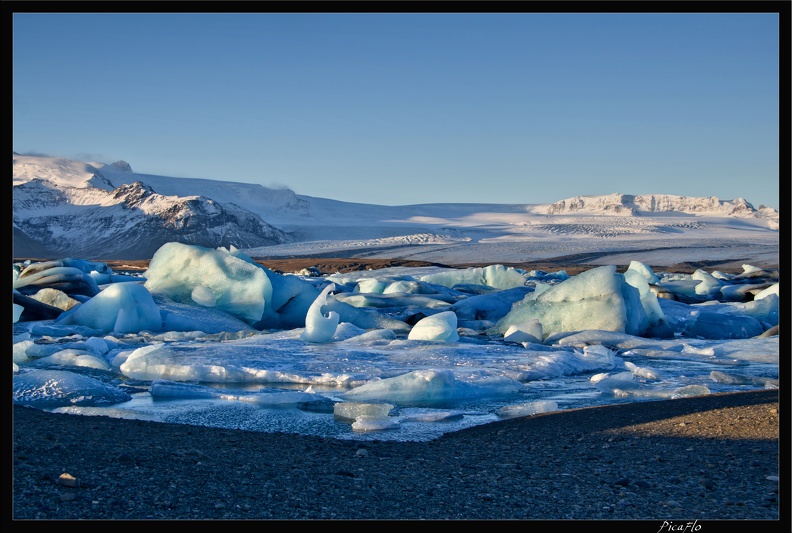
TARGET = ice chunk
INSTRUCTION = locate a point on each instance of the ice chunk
(736, 379)
(350, 332)
(441, 327)
(644, 270)
(371, 285)
(320, 327)
(527, 409)
(374, 423)
(772, 289)
(56, 274)
(55, 298)
(430, 386)
(498, 276)
(289, 302)
(764, 309)
(654, 313)
(617, 383)
(111, 412)
(402, 286)
(528, 331)
(19, 351)
(269, 397)
(353, 410)
(489, 306)
(240, 288)
(364, 317)
(598, 299)
(178, 317)
(72, 357)
(689, 391)
(740, 292)
(121, 308)
(391, 300)
(641, 372)
(720, 323)
(709, 286)
(48, 389)
(683, 288)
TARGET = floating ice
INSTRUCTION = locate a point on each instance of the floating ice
(121, 308)
(47, 389)
(641, 372)
(374, 423)
(772, 289)
(709, 286)
(527, 409)
(528, 331)
(497, 276)
(684, 289)
(354, 410)
(689, 391)
(599, 298)
(111, 412)
(177, 317)
(366, 318)
(441, 327)
(269, 397)
(65, 273)
(391, 300)
(644, 271)
(616, 383)
(654, 313)
(429, 386)
(72, 357)
(240, 288)
(491, 306)
(55, 298)
(597, 335)
(320, 327)
(721, 322)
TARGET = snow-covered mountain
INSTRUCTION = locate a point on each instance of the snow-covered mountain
(67, 208)
(83, 214)
(632, 205)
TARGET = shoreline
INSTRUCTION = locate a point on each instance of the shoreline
(708, 458)
(713, 457)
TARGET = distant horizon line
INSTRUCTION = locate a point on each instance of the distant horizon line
(289, 188)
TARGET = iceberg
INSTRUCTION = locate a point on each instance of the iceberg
(441, 327)
(598, 299)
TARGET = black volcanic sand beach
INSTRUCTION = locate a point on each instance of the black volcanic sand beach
(707, 458)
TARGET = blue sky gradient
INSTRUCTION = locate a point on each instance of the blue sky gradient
(408, 108)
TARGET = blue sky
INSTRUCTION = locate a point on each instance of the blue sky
(407, 108)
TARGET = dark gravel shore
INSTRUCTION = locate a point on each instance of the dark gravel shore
(709, 458)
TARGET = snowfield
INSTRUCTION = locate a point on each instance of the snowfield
(129, 211)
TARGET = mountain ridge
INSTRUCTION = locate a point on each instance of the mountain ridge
(68, 207)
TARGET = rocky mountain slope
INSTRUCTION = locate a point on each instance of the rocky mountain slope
(128, 222)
